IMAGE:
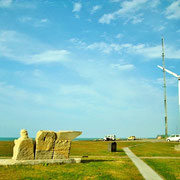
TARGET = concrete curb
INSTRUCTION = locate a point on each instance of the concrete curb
(5, 162)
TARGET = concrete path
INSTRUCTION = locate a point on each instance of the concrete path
(147, 172)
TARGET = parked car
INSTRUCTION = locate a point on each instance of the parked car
(110, 138)
(131, 138)
(174, 137)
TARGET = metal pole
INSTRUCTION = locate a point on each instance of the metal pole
(179, 102)
(165, 99)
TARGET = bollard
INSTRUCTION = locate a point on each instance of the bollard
(112, 147)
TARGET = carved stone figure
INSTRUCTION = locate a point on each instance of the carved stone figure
(24, 147)
(63, 143)
(49, 145)
(45, 144)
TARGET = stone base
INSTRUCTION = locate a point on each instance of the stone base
(5, 162)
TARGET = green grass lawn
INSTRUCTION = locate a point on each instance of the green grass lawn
(105, 169)
(168, 168)
(149, 149)
(78, 148)
(6, 148)
(98, 163)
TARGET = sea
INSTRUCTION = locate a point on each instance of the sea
(76, 139)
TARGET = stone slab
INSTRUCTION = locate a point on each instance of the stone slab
(62, 149)
(7, 162)
(68, 135)
(45, 144)
(23, 149)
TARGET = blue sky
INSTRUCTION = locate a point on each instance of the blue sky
(88, 65)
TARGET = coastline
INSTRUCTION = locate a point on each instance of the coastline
(76, 139)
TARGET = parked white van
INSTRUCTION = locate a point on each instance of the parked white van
(173, 137)
(110, 138)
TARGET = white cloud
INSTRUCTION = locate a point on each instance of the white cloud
(77, 16)
(170, 81)
(150, 52)
(37, 73)
(115, 1)
(173, 11)
(118, 36)
(95, 9)
(33, 21)
(153, 52)
(17, 4)
(44, 20)
(78, 42)
(108, 48)
(25, 19)
(5, 3)
(107, 18)
(77, 89)
(159, 28)
(104, 47)
(14, 94)
(48, 57)
(77, 7)
(137, 19)
(123, 67)
(127, 10)
(19, 47)
(154, 3)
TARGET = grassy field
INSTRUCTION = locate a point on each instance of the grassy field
(6, 148)
(152, 149)
(98, 163)
(168, 168)
(90, 169)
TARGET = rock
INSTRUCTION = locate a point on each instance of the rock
(62, 149)
(63, 143)
(24, 147)
(45, 141)
(68, 135)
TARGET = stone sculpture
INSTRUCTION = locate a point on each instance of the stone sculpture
(54, 145)
(48, 145)
(45, 144)
(24, 147)
(63, 143)
(61, 149)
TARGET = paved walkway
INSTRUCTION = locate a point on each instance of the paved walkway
(147, 172)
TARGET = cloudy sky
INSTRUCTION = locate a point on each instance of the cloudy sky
(88, 65)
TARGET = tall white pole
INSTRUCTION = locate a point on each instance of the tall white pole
(179, 89)
(165, 99)
(179, 101)
(177, 76)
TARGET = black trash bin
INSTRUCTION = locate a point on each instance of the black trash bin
(112, 147)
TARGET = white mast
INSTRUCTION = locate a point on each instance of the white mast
(177, 76)
(165, 99)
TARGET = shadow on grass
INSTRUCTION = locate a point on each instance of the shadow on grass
(97, 160)
(120, 150)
